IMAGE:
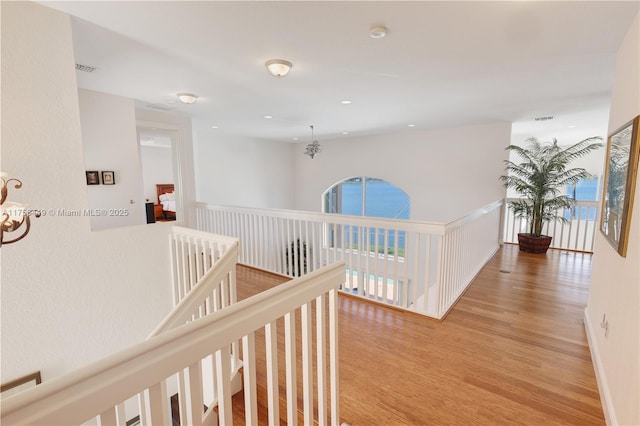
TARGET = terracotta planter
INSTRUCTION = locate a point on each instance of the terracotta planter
(533, 244)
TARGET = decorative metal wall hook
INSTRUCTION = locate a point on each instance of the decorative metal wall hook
(13, 215)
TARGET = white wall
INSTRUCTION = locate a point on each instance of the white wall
(615, 281)
(110, 142)
(241, 171)
(448, 173)
(69, 295)
(157, 167)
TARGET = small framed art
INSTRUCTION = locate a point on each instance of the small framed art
(93, 177)
(108, 178)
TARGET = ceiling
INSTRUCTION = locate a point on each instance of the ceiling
(441, 64)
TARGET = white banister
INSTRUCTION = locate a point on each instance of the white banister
(144, 368)
(210, 285)
(412, 265)
(576, 233)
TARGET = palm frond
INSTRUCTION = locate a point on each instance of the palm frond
(540, 177)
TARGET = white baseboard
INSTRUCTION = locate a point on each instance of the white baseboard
(603, 387)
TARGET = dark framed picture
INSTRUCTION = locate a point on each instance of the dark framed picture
(93, 177)
(623, 147)
(108, 178)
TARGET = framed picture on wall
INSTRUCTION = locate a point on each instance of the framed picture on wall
(93, 177)
(623, 147)
(108, 178)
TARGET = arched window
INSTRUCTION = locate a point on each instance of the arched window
(367, 196)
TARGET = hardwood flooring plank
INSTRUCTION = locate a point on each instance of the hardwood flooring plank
(512, 351)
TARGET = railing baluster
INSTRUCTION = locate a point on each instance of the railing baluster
(321, 361)
(291, 361)
(223, 367)
(396, 261)
(333, 357)
(307, 364)
(121, 415)
(273, 398)
(182, 397)
(109, 417)
(427, 272)
(195, 394)
(249, 377)
(159, 407)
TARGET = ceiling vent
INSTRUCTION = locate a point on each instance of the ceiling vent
(547, 118)
(85, 68)
(163, 107)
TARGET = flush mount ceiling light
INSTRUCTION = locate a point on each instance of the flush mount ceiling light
(378, 31)
(278, 67)
(313, 148)
(187, 98)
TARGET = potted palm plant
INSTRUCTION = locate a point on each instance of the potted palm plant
(539, 179)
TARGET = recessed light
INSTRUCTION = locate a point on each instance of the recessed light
(411, 125)
(345, 133)
(572, 126)
(268, 116)
(345, 102)
(295, 139)
(214, 127)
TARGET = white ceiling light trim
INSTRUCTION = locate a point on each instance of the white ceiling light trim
(278, 67)
(187, 98)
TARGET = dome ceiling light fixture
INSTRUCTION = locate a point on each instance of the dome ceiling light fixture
(378, 31)
(278, 67)
(187, 98)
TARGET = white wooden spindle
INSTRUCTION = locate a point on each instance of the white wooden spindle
(321, 361)
(109, 417)
(223, 366)
(158, 404)
(291, 360)
(195, 394)
(182, 397)
(273, 398)
(249, 378)
(333, 357)
(121, 414)
(307, 364)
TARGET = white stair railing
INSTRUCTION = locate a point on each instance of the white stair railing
(193, 254)
(99, 388)
(411, 265)
(577, 233)
(203, 269)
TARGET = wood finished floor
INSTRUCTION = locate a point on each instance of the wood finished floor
(512, 351)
